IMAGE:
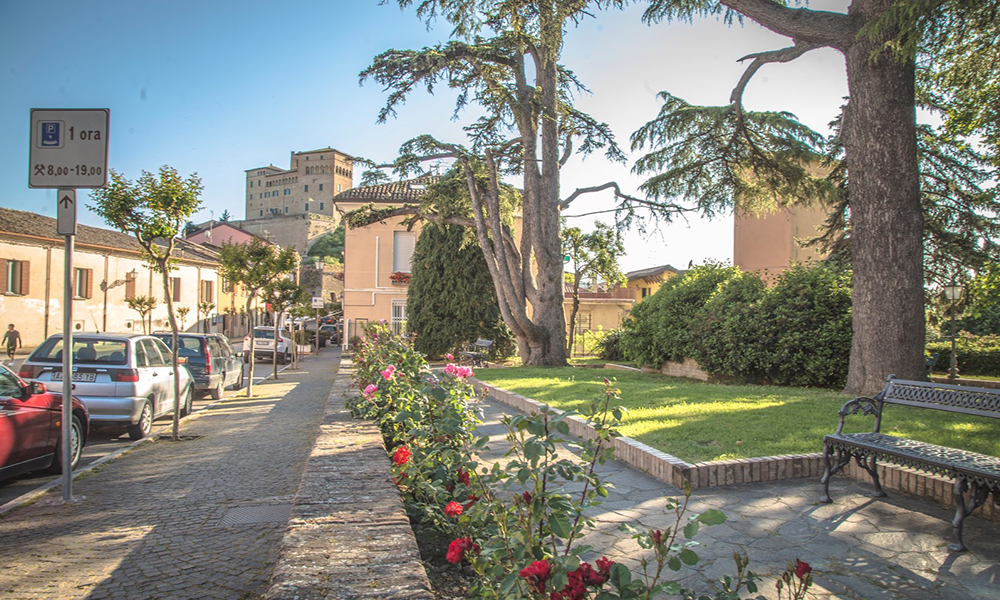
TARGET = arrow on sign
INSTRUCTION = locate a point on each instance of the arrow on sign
(66, 201)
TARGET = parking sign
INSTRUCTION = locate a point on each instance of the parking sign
(69, 148)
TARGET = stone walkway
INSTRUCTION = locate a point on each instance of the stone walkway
(201, 518)
(859, 548)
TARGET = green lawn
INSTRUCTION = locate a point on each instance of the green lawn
(700, 421)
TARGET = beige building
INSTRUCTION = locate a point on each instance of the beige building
(645, 282)
(306, 188)
(377, 257)
(601, 310)
(107, 268)
(770, 243)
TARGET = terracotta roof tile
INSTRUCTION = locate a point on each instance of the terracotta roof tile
(396, 192)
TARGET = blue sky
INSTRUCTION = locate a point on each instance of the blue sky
(219, 87)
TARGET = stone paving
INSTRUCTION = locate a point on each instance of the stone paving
(860, 548)
(199, 518)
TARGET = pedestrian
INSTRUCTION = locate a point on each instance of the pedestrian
(12, 338)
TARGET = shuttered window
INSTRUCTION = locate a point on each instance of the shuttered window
(402, 250)
(175, 288)
(83, 283)
(15, 276)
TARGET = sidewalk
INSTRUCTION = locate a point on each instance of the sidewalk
(200, 518)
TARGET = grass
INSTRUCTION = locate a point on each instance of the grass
(700, 422)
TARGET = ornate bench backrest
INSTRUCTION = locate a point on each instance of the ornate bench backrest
(942, 396)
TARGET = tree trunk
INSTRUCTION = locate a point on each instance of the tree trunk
(175, 426)
(886, 218)
(249, 353)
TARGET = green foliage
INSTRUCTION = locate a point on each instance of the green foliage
(662, 327)
(977, 355)
(807, 333)
(609, 347)
(795, 333)
(153, 209)
(451, 298)
(330, 244)
(729, 327)
(143, 305)
(255, 263)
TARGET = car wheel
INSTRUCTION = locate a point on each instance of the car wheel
(76, 448)
(145, 424)
(216, 392)
(188, 401)
(287, 359)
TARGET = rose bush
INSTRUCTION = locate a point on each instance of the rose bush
(515, 523)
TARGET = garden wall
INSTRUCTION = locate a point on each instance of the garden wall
(677, 472)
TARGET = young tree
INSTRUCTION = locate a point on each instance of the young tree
(254, 264)
(591, 255)
(879, 138)
(182, 312)
(282, 295)
(153, 209)
(506, 60)
(451, 301)
(204, 309)
(143, 305)
(225, 216)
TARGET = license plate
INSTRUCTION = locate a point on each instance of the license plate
(57, 376)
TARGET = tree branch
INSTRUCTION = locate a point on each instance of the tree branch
(762, 58)
(819, 27)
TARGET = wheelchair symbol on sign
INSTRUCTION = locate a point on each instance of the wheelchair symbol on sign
(50, 135)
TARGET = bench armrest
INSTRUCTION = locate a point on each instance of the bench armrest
(864, 405)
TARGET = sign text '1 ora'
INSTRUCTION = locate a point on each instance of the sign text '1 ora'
(69, 148)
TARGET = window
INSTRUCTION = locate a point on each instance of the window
(582, 323)
(321, 205)
(402, 250)
(286, 210)
(398, 317)
(307, 188)
(321, 187)
(83, 283)
(262, 213)
(307, 207)
(227, 286)
(207, 292)
(339, 187)
(14, 276)
(645, 292)
(175, 288)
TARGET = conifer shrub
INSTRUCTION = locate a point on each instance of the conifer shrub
(451, 300)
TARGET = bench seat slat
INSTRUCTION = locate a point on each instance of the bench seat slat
(940, 460)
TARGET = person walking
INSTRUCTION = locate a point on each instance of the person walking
(12, 338)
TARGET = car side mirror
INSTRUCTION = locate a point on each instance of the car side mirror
(37, 387)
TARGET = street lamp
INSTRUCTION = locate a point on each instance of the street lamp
(952, 292)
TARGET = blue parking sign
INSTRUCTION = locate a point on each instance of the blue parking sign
(51, 134)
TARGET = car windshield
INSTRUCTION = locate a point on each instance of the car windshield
(186, 345)
(85, 350)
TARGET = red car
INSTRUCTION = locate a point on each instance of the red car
(30, 432)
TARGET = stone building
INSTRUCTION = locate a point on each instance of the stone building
(306, 188)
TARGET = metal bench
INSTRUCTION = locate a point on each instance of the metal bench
(976, 476)
(477, 354)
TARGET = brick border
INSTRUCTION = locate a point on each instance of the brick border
(677, 472)
(348, 536)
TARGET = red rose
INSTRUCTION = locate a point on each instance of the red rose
(802, 569)
(458, 548)
(657, 536)
(453, 509)
(401, 455)
(604, 565)
(536, 574)
(471, 500)
(463, 476)
(589, 576)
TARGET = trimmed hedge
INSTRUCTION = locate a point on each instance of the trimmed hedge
(797, 332)
(977, 355)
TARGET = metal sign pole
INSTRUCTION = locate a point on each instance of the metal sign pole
(67, 405)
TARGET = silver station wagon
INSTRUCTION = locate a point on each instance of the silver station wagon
(121, 378)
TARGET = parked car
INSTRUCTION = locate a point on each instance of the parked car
(213, 362)
(122, 378)
(264, 346)
(30, 435)
(333, 331)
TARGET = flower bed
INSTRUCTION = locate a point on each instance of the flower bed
(515, 525)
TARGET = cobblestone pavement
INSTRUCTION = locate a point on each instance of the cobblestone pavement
(860, 548)
(199, 518)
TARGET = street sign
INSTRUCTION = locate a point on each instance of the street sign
(69, 148)
(66, 212)
(317, 302)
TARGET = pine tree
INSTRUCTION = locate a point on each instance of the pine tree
(451, 300)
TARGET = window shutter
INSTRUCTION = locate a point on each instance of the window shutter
(129, 288)
(89, 285)
(177, 289)
(3, 276)
(402, 250)
(25, 277)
